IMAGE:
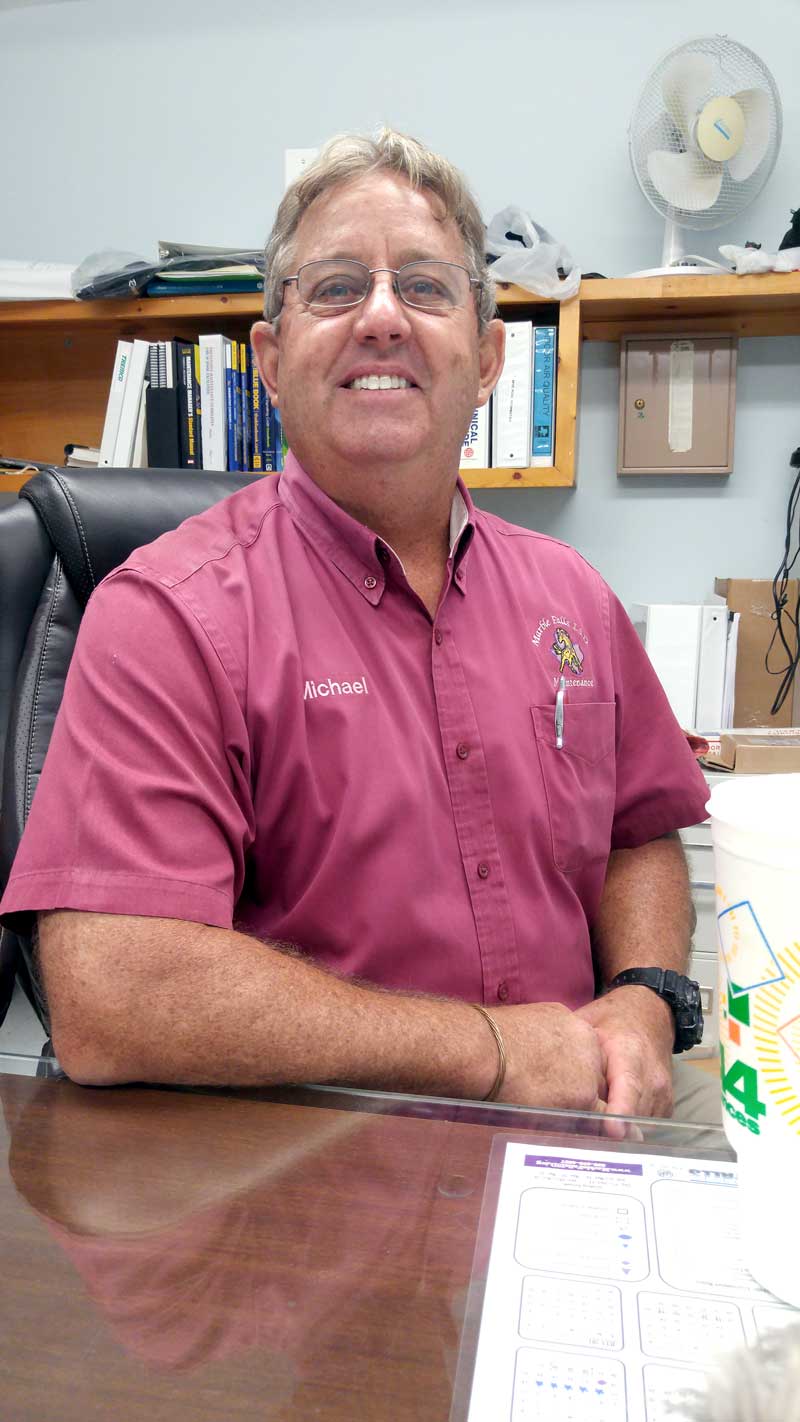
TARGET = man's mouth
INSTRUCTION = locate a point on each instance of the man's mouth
(380, 382)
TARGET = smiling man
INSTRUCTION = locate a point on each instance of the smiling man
(347, 811)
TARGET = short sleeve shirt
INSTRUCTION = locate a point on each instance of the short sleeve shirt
(263, 728)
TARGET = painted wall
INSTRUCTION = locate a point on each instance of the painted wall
(123, 125)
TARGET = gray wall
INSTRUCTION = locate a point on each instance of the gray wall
(123, 125)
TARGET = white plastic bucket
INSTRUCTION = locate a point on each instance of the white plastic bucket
(755, 828)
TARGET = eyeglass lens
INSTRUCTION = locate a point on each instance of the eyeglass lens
(429, 285)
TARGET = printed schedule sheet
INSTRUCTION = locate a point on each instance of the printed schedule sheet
(614, 1282)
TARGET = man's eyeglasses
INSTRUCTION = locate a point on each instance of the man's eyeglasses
(329, 286)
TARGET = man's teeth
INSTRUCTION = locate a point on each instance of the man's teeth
(379, 382)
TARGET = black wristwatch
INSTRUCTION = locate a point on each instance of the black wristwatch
(682, 994)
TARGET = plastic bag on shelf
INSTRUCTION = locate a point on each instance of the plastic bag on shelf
(747, 260)
(113, 273)
(529, 255)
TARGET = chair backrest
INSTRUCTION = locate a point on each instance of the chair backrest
(65, 532)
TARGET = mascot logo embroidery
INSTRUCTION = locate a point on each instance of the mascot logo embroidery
(568, 655)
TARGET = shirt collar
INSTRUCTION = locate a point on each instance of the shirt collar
(351, 546)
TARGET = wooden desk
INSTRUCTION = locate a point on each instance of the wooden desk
(170, 1255)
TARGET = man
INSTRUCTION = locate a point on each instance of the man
(321, 809)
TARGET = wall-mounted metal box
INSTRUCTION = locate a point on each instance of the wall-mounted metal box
(677, 399)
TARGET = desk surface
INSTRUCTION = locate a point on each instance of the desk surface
(273, 1255)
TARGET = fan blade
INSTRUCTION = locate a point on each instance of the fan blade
(685, 180)
(756, 107)
(685, 84)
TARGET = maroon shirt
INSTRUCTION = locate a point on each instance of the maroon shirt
(262, 728)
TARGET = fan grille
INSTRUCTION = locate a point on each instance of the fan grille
(658, 124)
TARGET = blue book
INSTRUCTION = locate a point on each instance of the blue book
(245, 357)
(276, 437)
(544, 392)
(231, 383)
(202, 288)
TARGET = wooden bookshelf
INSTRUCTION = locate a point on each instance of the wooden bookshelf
(56, 357)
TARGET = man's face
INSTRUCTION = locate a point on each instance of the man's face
(309, 367)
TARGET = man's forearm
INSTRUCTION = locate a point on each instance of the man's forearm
(646, 917)
(218, 1007)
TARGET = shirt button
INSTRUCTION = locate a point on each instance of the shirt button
(483, 870)
(502, 991)
(462, 750)
(438, 638)
(370, 582)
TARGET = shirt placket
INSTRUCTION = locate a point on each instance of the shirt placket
(467, 778)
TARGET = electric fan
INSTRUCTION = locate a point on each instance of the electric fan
(703, 140)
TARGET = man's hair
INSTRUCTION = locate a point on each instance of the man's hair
(352, 155)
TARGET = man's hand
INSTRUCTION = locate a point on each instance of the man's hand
(636, 1032)
(555, 1058)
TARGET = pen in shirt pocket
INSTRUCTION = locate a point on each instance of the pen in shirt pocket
(562, 686)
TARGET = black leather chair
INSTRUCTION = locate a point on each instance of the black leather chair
(66, 530)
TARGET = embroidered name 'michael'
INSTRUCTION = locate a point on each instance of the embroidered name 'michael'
(335, 688)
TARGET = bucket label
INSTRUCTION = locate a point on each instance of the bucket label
(760, 1022)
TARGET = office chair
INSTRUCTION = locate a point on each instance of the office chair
(65, 532)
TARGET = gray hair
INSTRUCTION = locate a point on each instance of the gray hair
(352, 155)
(759, 1384)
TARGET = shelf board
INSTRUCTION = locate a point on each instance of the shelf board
(768, 304)
(141, 311)
(550, 477)
(474, 478)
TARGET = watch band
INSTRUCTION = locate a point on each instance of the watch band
(682, 995)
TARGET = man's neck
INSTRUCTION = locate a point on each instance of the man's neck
(409, 509)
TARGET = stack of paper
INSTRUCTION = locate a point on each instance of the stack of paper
(35, 281)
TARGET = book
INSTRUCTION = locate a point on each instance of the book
(131, 406)
(257, 397)
(200, 287)
(477, 444)
(511, 425)
(213, 402)
(81, 456)
(543, 411)
(277, 446)
(232, 411)
(114, 404)
(162, 406)
(185, 383)
(239, 271)
(139, 455)
(245, 396)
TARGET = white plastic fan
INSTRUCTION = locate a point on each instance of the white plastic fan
(703, 139)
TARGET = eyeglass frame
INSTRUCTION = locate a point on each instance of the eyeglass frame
(394, 272)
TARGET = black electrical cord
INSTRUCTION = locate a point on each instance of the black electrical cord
(786, 622)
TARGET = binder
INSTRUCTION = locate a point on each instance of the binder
(511, 435)
(114, 406)
(711, 667)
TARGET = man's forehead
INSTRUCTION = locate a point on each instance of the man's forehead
(375, 205)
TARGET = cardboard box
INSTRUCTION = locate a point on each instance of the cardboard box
(756, 688)
(767, 751)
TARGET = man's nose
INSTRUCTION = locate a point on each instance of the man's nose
(382, 315)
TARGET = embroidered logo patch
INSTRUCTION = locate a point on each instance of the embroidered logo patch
(567, 652)
(567, 643)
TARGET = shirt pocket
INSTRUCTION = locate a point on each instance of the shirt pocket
(579, 780)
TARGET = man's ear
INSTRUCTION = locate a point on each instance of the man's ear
(491, 354)
(264, 340)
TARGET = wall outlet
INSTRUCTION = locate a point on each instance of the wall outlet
(295, 160)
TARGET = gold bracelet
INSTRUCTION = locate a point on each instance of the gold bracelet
(501, 1052)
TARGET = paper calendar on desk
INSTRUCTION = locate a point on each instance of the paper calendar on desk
(614, 1282)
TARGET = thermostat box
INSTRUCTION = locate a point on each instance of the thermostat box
(677, 399)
